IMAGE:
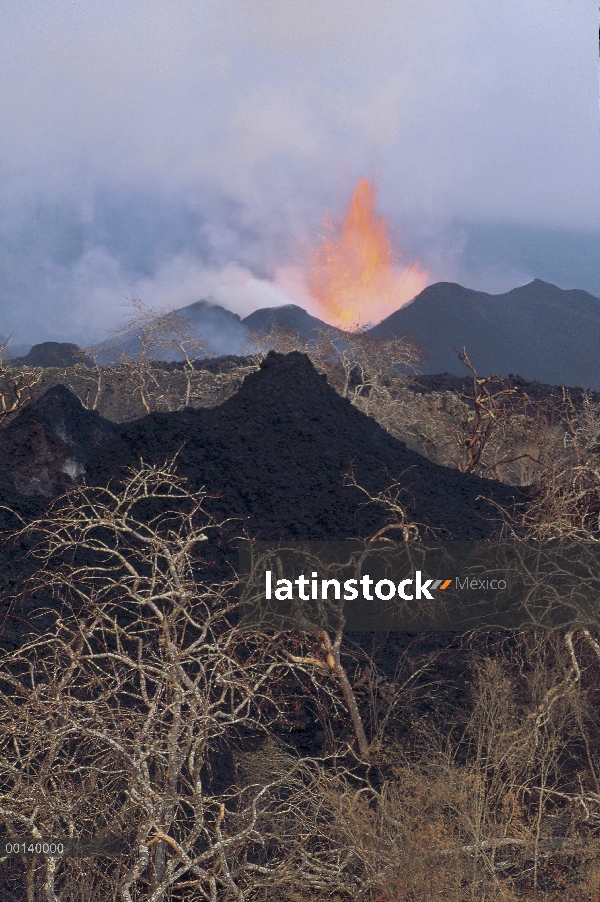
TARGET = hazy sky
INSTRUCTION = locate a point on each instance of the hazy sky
(183, 149)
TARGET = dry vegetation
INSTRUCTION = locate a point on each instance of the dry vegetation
(16, 386)
(471, 773)
(120, 721)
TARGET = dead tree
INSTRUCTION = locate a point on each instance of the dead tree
(486, 412)
(491, 433)
(364, 369)
(278, 339)
(147, 337)
(15, 386)
(107, 724)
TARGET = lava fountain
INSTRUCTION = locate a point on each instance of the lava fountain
(355, 277)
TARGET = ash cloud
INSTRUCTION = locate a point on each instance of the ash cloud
(189, 150)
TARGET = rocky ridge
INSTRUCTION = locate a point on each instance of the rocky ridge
(276, 455)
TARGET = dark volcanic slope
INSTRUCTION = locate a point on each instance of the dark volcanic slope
(289, 318)
(43, 452)
(220, 330)
(277, 451)
(537, 331)
(45, 448)
(53, 353)
(537, 391)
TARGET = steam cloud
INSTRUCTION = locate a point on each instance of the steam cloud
(189, 150)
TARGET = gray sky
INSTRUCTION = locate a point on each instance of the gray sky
(189, 148)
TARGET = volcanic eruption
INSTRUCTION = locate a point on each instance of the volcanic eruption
(355, 277)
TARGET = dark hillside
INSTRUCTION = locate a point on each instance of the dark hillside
(53, 353)
(538, 331)
(463, 385)
(43, 451)
(276, 454)
(45, 448)
(289, 318)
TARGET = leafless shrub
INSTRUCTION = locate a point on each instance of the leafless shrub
(283, 341)
(154, 334)
(106, 726)
(499, 805)
(15, 386)
(520, 773)
(343, 839)
(317, 649)
(393, 501)
(565, 501)
(487, 430)
(368, 371)
(490, 430)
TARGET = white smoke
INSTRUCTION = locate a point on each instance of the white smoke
(186, 150)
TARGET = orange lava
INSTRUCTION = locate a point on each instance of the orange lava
(354, 274)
